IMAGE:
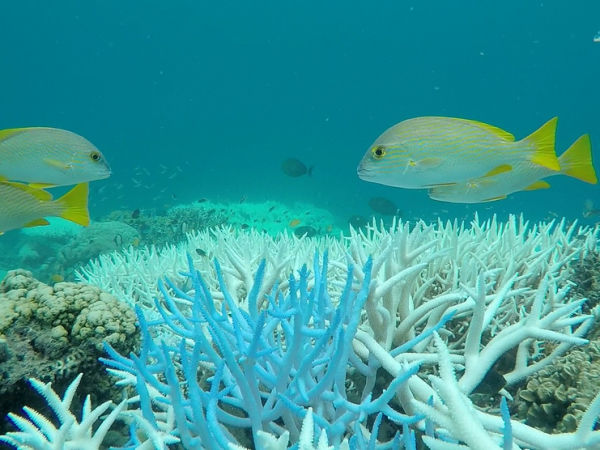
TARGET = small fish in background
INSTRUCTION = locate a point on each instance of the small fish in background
(575, 162)
(135, 214)
(589, 209)
(294, 223)
(295, 168)
(45, 157)
(57, 278)
(425, 152)
(23, 206)
(384, 206)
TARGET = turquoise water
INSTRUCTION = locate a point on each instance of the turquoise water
(194, 99)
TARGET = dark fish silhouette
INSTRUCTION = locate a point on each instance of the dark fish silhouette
(294, 168)
(384, 206)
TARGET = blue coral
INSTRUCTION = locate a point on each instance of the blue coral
(267, 366)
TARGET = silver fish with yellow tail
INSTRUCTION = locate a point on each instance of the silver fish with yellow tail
(44, 157)
(425, 152)
(24, 206)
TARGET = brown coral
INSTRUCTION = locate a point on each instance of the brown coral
(555, 398)
(54, 332)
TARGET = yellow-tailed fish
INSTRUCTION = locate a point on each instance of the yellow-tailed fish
(575, 162)
(46, 157)
(23, 206)
(431, 151)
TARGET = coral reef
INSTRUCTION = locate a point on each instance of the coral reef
(54, 332)
(556, 397)
(382, 342)
(161, 228)
(55, 256)
(39, 433)
(586, 277)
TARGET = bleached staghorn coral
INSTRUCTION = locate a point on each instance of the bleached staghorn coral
(506, 284)
(37, 432)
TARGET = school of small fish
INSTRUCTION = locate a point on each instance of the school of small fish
(465, 161)
(37, 158)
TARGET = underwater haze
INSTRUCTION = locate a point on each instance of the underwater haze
(194, 99)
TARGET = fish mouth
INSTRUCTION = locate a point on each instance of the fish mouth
(363, 173)
(106, 172)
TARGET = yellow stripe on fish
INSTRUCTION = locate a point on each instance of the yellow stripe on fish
(575, 162)
(49, 157)
(433, 151)
(23, 206)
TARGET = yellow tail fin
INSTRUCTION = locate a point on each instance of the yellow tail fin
(75, 205)
(543, 141)
(576, 161)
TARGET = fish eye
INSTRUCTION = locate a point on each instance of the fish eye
(95, 156)
(378, 152)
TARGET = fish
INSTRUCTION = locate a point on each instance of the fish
(383, 206)
(45, 157)
(425, 152)
(24, 206)
(575, 162)
(294, 223)
(294, 168)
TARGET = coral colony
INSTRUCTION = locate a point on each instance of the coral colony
(375, 340)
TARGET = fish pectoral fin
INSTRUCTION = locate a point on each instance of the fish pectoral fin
(540, 184)
(429, 163)
(542, 140)
(41, 185)
(493, 199)
(502, 168)
(56, 163)
(36, 223)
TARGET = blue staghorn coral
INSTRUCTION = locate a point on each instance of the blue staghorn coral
(267, 367)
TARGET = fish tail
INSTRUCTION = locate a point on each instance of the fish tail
(75, 205)
(542, 140)
(576, 161)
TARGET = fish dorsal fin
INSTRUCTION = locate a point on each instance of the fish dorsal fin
(37, 193)
(10, 132)
(540, 184)
(36, 223)
(576, 161)
(492, 129)
(75, 205)
(543, 145)
(500, 169)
